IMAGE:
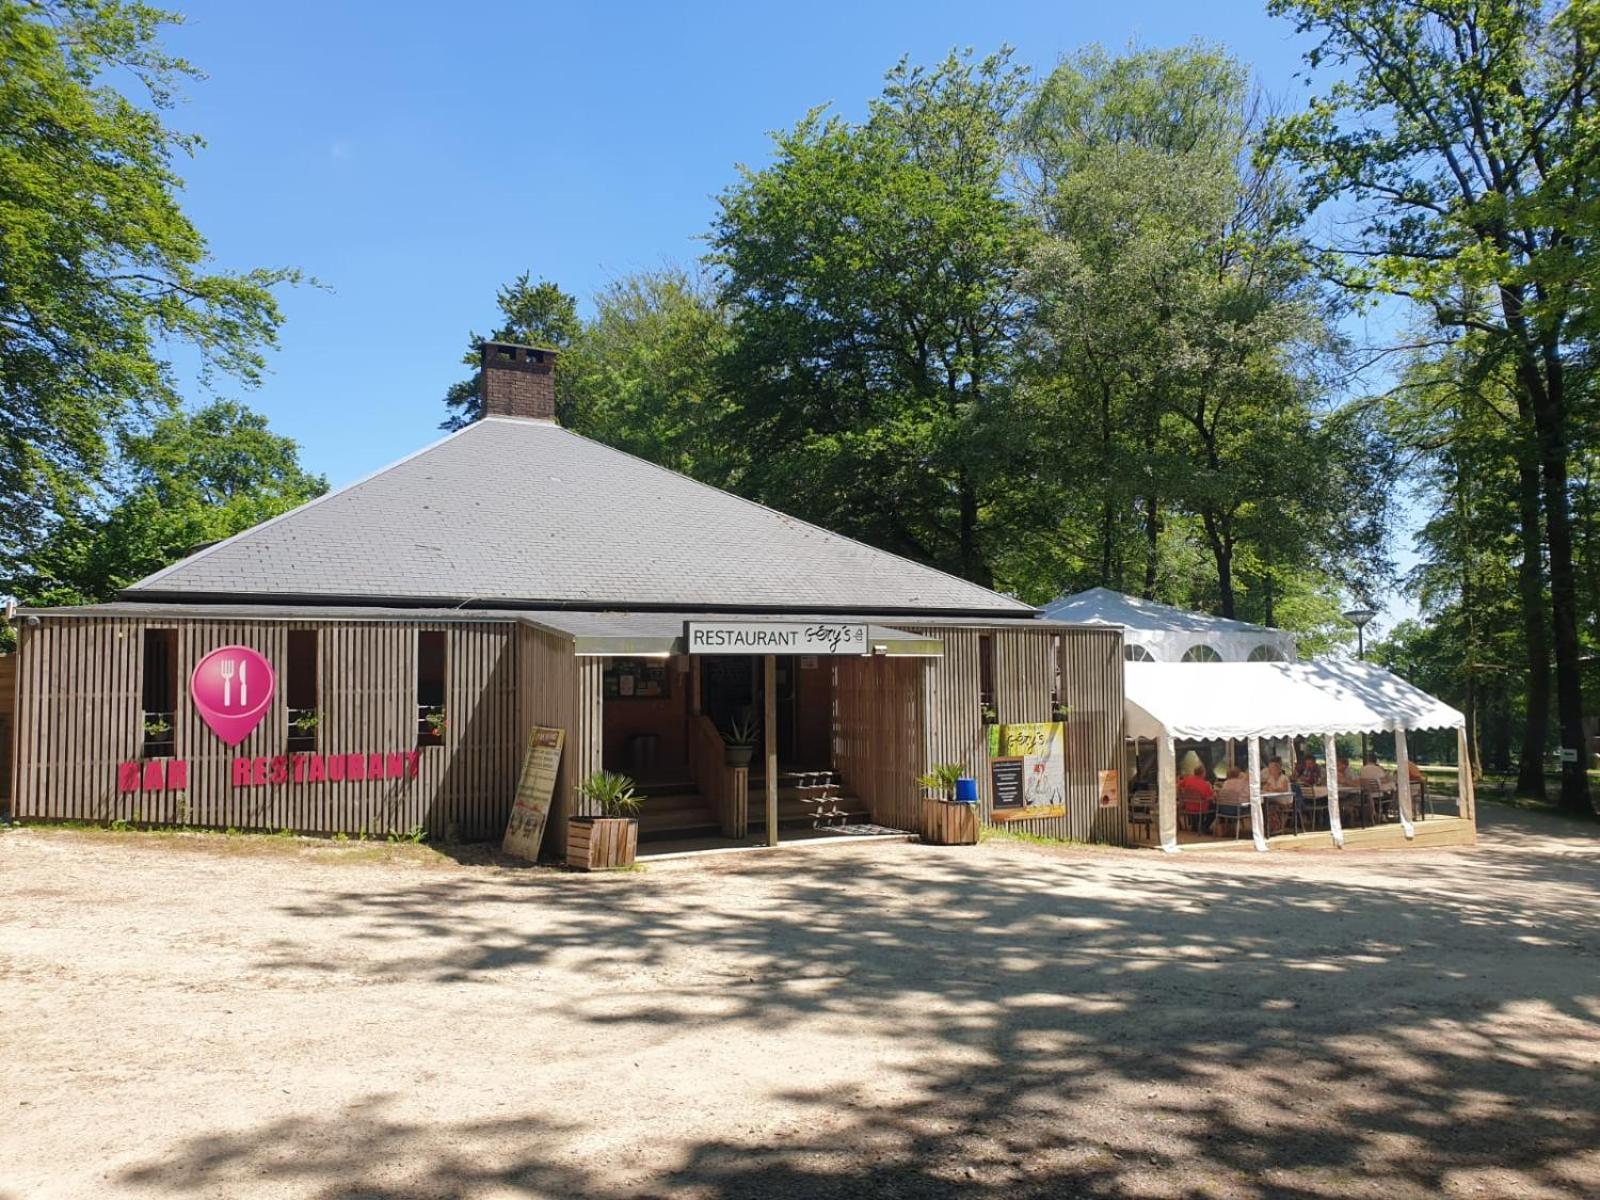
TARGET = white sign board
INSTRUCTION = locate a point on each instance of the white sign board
(775, 637)
(1568, 754)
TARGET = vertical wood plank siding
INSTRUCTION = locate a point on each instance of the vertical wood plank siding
(1091, 685)
(877, 735)
(561, 691)
(1026, 662)
(80, 715)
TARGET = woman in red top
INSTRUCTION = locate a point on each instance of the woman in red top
(1196, 797)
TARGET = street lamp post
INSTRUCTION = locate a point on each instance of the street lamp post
(1360, 616)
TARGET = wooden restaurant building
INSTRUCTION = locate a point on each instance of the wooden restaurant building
(391, 645)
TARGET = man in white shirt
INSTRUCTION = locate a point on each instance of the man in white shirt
(1371, 770)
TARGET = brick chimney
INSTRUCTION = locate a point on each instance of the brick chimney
(518, 381)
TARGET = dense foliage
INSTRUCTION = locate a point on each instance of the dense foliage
(101, 273)
(1459, 140)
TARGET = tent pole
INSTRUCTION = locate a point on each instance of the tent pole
(1335, 822)
(1402, 784)
(1167, 792)
(1258, 828)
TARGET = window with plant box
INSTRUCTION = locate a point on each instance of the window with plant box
(986, 679)
(300, 690)
(158, 687)
(432, 719)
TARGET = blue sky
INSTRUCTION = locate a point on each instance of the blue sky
(413, 157)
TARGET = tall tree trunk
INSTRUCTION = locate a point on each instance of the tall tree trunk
(1222, 552)
(1152, 545)
(1549, 414)
(1530, 580)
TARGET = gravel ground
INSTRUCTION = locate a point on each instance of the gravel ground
(204, 1016)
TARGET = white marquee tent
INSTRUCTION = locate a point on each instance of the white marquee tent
(1248, 701)
(1160, 633)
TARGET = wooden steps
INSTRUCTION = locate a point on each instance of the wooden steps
(677, 814)
(806, 798)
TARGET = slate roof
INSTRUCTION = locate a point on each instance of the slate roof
(522, 513)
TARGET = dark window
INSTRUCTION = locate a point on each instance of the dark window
(986, 679)
(300, 690)
(431, 716)
(159, 692)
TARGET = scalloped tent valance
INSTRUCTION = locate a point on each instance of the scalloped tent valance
(1275, 699)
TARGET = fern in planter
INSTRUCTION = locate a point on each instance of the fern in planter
(612, 793)
(942, 779)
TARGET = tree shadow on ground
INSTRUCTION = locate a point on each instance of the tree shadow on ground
(1143, 1028)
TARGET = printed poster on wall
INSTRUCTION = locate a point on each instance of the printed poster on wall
(535, 788)
(1035, 752)
(1110, 789)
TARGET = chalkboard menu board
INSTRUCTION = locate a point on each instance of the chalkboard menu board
(1006, 776)
(637, 679)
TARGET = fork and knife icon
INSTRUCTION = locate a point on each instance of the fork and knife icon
(227, 669)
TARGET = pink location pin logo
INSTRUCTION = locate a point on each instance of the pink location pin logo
(232, 688)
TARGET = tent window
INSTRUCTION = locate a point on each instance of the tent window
(1134, 652)
(1201, 654)
(1266, 654)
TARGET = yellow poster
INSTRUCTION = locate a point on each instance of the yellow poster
(535, 789)
(1036, 751)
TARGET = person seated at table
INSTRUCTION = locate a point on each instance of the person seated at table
(1371, 770)
(1310, 773)
(1348, 775)
(1236, 787)
(1413, 772)
(1196, 797)
(1274, 779)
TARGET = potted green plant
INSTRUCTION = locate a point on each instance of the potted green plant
(609, 839)
(739, 742)
(437, 722)
(305, 721)
(156, 729)
(946, 822)
(942, 780)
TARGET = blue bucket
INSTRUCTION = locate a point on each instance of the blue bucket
(966, 790)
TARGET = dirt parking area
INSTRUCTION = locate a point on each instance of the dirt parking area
(204, 1016)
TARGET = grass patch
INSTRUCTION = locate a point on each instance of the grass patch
(996, 833)
(402, 848)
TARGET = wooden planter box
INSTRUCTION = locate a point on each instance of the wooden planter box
(601, 843)
(946, 823)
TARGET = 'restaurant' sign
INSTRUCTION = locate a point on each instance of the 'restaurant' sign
(775, 637)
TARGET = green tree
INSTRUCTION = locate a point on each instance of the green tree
(100, 270)
(1176, 336)
(1465, 134)
(872, 271)
(190, 480)
(532, 314)
(643, 374)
